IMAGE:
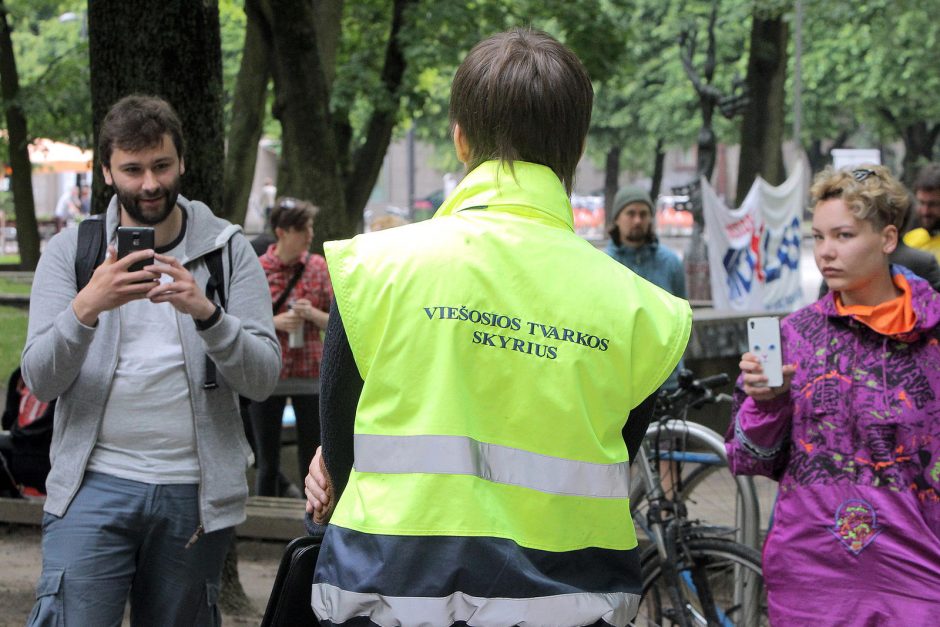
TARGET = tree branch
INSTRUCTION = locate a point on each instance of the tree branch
(369, 156)
(251, 90)
(686, 53)
(932, 134)
(892, 120)
(710, 61)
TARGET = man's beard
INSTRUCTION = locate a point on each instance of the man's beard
(131, 203)
(637, 236)
(931, 223)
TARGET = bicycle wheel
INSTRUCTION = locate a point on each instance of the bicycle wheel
(693, 457)
(720, 582)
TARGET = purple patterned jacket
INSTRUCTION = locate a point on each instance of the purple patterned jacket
(856, 447)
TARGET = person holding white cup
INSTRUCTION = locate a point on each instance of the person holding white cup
(301, 293)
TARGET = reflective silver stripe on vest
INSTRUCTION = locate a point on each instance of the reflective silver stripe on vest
(460, 455)
(581, 608)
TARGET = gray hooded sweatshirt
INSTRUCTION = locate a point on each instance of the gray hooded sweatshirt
(64, 358)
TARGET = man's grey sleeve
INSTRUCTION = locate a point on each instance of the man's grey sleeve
(243, 344)
(56, 342)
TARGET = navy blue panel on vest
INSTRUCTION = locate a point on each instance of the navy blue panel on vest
(432, 566)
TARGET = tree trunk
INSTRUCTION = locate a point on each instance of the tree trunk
(763, 123)
(21, 181)
(328, 15)
(308, 153)
(611, 180)
(173, 50)
(919, 139)
(368, 158)
(659, 166)
(251, 90)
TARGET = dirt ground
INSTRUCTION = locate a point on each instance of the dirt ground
(21, 561)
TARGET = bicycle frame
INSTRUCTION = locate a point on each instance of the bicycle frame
(747, 516)
(668, 532)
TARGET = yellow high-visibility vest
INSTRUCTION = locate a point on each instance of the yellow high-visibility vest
(501, 354)
(922, 239)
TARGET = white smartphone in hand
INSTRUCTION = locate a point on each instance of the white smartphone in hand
(763, 339)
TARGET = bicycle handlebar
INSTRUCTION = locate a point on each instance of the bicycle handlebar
(714, 381)
(695, 392)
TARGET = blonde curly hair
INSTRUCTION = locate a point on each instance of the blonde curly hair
(869, 191)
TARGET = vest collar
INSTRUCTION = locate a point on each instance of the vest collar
(529, 190)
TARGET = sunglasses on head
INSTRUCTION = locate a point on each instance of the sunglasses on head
(861, 174)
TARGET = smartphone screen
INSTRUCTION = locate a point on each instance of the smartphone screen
(763, 339)
(132, 238)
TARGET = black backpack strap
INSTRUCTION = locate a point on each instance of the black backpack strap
(215, 291)
(92, 246)
(215, 286)
(290, 286)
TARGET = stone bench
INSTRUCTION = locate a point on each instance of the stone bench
(268, 518)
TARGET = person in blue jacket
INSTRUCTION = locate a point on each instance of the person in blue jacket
(633, 242)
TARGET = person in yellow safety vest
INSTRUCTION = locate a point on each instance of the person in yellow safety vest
(927, 195)
(477, 371)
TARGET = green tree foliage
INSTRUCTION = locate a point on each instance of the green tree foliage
(650, 105)
(232, 23)
(51, 43)
(870, 70)
(596, 30)
(379, 83)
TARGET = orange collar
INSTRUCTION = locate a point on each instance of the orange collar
(892, 317)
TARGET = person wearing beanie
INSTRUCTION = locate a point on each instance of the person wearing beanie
(633, 243)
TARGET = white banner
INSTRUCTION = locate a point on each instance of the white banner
(754, 250)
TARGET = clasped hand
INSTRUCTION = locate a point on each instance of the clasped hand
(318, 489)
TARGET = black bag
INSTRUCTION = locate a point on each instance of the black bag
(25, 451)
(28, 419)
(289, 603)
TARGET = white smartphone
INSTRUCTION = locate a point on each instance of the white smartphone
(763, 339)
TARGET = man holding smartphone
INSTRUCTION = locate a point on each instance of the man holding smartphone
(148, 454)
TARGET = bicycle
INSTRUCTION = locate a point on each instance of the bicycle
(692, 573)
(695, 456)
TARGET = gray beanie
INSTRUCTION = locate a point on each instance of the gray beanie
(626, 195)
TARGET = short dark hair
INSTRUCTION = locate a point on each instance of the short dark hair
(291, 213)
(523, 96)
(138, 122)
(928, 178)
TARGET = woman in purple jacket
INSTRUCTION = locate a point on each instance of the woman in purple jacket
(853, 434)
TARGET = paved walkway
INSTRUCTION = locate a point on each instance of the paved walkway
(713, 501)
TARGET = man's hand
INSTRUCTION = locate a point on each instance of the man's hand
(755, 381)
(183, 292)
(318, 489)
(112, 285)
